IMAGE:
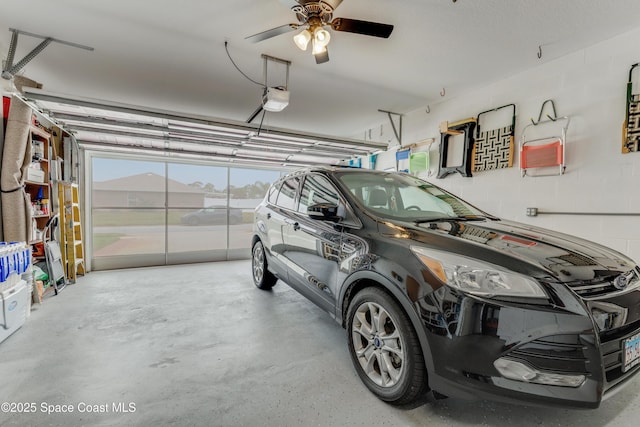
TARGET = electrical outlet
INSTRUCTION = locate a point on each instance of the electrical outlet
(532, 211)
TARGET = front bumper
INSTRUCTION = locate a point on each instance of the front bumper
(466, 335)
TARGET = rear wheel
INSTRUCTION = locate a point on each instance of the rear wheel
(384, 348)
(262, 277)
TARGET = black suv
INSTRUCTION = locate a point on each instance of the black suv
(436, 294)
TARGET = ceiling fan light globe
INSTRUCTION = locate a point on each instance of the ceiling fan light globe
(302, 39)
(318, 47)
(321, 37)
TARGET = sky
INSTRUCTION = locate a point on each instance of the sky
(107, 169)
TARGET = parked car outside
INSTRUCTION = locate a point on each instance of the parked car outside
(212, 215)
(438, 295)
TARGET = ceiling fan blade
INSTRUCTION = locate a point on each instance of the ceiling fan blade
(322, 57)
(367, 28)
(271, 33)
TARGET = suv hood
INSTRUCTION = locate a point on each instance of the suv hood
(521, 247)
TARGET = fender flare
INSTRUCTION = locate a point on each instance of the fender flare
(400, 296)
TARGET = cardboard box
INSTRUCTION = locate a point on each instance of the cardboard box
(35, 175)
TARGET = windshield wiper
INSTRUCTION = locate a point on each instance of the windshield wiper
(453, 218)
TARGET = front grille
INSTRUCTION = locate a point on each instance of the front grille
(558, 353)
(605, 286)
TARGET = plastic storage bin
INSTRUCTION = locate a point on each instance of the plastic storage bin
(15, 261)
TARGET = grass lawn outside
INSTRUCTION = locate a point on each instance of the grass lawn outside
(102, 240)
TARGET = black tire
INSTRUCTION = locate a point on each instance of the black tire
(262, 277)
(396, 339)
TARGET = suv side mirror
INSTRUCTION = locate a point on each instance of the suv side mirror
(324, 211)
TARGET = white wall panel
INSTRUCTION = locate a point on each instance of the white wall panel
(590, 87)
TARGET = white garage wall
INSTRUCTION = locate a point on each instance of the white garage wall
(590, 87)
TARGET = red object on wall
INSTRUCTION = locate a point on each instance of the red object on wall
(6, 101)
(540, 156)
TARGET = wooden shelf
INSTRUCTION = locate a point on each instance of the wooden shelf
(40, 132)
(36, 183)
(37, 190)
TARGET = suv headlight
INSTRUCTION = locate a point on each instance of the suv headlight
(476, 277)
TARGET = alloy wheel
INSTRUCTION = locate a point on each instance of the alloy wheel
(258, 263)
(378, 344)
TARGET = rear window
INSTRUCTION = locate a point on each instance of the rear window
(287, 196)
(273, 193)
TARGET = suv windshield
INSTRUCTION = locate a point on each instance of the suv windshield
(404, 197)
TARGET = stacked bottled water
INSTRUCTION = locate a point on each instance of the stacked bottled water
(15, 261)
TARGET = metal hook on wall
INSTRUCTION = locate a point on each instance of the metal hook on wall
(442, 92)
(428, 109)
(553, 107)
(539, 51)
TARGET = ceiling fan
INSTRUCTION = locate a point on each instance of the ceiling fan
(313, 16)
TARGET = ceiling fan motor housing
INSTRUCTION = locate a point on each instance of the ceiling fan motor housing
(322, 10)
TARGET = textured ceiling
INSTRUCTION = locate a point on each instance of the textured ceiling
(171, 55)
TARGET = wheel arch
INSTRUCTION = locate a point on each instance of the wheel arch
(365, 279)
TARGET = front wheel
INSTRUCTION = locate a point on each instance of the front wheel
(384, 348)
(262, 277)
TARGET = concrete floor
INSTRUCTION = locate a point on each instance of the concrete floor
(200, 345)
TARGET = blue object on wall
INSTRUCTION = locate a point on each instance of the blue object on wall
(402, 165)
(372, 161)
(402, 155)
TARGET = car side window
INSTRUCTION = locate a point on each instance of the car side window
(273, 193)
(287, 195)
(317, 189)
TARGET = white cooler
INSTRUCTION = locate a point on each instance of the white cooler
(14, 310)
